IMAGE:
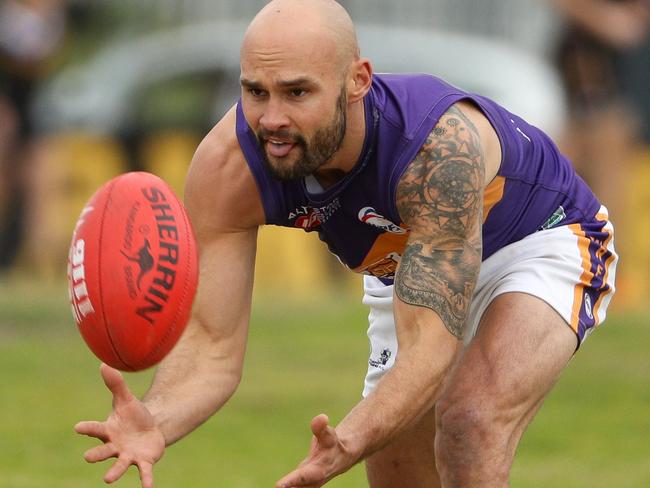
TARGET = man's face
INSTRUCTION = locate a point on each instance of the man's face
(299, 115)
(310, 154)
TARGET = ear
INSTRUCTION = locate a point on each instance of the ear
(360, 80)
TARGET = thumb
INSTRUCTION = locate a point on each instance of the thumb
(114, 381)
(324, 433)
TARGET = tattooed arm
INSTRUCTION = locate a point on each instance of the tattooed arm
(440, 197)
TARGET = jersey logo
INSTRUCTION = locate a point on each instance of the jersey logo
(369, 215)
(308, 222)
(384, 268)
(558, 216)
(310, 218)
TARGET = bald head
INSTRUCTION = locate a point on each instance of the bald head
(320, 28)
(302, 81)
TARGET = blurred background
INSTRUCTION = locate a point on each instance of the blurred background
(91, 89)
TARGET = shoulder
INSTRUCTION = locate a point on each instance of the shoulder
(220, 191)
(464, 128)
(486, 134)
(446, 178)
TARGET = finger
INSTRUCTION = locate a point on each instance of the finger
(114, 381)
(146, 474)
(303, 477)
(319, 423)
(324, 433)
(92, 429)
(117, 470)
(100, 453)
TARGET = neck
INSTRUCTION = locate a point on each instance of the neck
(349, 152)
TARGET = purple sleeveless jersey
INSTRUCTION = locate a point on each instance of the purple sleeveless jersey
(536, 186)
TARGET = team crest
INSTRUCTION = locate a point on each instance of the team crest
(369, 215)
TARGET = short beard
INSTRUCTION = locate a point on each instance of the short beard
(326, 142)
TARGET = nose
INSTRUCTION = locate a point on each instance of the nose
(274, 117)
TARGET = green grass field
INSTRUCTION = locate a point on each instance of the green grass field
(594, 430)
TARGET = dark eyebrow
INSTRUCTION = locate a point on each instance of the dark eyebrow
(304, 80)
(249, 83)
(301, 81)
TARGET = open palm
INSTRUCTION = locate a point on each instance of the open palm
(327, 458)
(129, 433)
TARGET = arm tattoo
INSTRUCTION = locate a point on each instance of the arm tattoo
(440, 196)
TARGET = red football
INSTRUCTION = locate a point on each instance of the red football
(132, 271)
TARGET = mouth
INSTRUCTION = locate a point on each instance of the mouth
(278, 148)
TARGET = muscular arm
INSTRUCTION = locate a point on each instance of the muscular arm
(440, 197)
(205, 368)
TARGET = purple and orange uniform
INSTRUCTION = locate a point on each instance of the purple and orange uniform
(536, 187)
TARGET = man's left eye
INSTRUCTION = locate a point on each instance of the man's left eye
(298, 92)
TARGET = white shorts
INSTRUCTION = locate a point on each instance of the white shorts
(571, 267)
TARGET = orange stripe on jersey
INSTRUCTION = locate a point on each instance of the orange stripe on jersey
(608, 264)
(380, 260)
(601, 215)
(492, 195)
(585, 277)
(385, 245)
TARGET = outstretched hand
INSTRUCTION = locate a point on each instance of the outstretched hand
(130, 433)
(327, 458)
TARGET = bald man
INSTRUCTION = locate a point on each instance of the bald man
(487, 260)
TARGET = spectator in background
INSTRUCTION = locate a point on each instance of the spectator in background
(506, 47)
(31, 32)
(604, 57)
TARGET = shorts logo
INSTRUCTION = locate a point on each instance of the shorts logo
(384, 357)
(588, 306)
(369, 215)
